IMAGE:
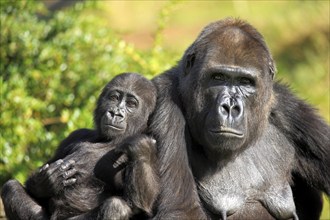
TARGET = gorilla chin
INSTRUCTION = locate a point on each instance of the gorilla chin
(224, 140)
(112, 129)
(115, 128)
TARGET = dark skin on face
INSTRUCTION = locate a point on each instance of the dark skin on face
(230, 83)
(107, 173)
(121, 105)
(228, 89)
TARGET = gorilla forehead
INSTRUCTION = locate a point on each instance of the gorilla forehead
(131, 82)
(232, 42)
(235, 30)
(233, 47)
(135, 84)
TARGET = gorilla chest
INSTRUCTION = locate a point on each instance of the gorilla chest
(227, 190)
(86, 158)
(259, 175)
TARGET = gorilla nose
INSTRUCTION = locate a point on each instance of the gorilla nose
(116, 113)
(231, 108)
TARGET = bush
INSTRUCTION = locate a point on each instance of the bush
(52, 69)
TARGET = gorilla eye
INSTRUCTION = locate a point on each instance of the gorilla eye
(219, 76)
(246, 81)
(132, 103)
(114, 97)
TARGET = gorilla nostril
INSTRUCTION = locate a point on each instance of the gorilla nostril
(111, 113)
(225, 109)
(235, 111)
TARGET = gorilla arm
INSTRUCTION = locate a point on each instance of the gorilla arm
(57, 173)
(132, 169)
(178, 194)
(29, 202)
(310, 135)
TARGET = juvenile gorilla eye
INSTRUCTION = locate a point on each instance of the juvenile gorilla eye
(132, 103)
(114, 97)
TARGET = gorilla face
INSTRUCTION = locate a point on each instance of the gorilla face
(118, 108)
(227, 94)
(124, 106)
(232, 81)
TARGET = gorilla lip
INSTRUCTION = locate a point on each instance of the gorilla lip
(228, 131)
(115, 127)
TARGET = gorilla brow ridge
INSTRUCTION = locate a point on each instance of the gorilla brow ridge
(232, 23)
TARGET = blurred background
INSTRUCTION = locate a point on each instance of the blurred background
(56, 56)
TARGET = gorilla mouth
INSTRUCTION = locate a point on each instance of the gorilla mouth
(115, 127)
(226, 131)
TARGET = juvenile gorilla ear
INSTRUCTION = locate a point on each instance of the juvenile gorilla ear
(189, 63)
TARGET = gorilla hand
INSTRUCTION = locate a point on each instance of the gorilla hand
(140, 147)
(51, 179)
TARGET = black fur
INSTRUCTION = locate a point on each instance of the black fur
(274, 141)
(107, 173)
(222, 123)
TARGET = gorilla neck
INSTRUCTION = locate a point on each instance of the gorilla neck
(218, 156)
(214, 159)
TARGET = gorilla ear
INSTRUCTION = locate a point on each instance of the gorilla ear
(272, 68)
(189, 63)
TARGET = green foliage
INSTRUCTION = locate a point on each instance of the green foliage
(53, 67)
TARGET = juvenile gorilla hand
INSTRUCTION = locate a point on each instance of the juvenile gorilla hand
(50, 179)
(140, 175)
(139, 147)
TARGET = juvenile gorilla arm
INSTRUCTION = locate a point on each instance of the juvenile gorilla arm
(58, 172)
(133, 166)
(29, 202)
(141, 176)
(20, 205)
(51, 178)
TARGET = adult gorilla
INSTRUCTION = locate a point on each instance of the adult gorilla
(247, 138)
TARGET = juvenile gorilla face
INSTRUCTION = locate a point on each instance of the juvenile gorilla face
(124, 106)
(232, 80)
(120, 106)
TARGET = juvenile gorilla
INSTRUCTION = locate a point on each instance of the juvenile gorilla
(224, 124)
(107, 173)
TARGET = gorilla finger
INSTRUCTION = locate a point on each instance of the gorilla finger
(69, 173)
(120, 161)
(54, 166)
(44, 167)
(145, 141)
(58, 162)
(153, 141)
(69, 182)
(67, 164)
